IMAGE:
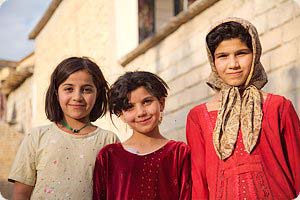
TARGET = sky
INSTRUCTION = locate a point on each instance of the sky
(17, 20)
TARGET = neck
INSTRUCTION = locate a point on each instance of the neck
(76, 123)
(146, 138)
(77, 126)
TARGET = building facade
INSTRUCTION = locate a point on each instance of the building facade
(166, 37)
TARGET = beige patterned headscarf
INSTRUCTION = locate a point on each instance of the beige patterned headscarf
(238, 111)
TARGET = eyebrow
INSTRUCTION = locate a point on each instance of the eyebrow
(69, 84)
(222, 52)
(146, 98)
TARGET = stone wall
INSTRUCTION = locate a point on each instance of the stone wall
(9, 143)
(19, 107)
(180, 59)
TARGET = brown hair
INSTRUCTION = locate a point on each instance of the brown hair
(64, 69)
(119, 91)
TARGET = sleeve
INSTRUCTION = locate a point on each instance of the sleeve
(116, 139)
(197, 145)
(185, 175)
(111, 138)
(99, 178)
(291, 134)
(24, 166)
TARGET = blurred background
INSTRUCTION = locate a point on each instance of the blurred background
(166, 37)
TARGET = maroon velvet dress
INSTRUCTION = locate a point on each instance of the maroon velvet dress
(271, 171)
(162, 174)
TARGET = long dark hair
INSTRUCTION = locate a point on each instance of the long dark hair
(64, 69)
(226, 31)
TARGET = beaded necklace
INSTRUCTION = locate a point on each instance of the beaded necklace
(72, 129)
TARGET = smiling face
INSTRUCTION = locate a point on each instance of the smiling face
(233, 60)
(77, 96)
(143, 113)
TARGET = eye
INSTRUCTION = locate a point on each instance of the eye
(68, 89)
(244, 52)
(88, 90)
(148, 101)
(221, 56)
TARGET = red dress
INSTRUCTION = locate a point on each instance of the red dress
(271, 171)
(162, 174)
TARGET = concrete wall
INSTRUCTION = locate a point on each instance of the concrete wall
(180, 59)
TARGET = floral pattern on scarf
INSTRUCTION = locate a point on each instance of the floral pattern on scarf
(238, 111)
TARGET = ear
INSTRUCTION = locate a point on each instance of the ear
(162, 101)
(122, 118)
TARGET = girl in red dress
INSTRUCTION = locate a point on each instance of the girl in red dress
(245, 143)
(147, 165)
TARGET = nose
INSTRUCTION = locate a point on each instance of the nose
(233, 62)
(77, 96)
(141, 111)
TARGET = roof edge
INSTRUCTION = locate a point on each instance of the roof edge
(175, 22)
(44, 20)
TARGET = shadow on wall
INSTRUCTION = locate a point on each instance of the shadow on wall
(5, 189)
(294, 74)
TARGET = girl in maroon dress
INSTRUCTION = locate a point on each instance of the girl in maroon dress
(147, 165)
(245, 143)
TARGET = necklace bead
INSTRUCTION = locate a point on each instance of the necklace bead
(67, 126)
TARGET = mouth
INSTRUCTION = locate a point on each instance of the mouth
(76, 105)
(144, 121)
(235, 73)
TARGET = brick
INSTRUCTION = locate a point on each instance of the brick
(283, 79)
(280, 14)
(283, 55)
(9, 142)
(177, 135)
(298, 46)
(271, 39)
(260, 22)
(197, 41)
(245, 10)
(168, 74)
(200, 23)
(174, 120)
(223, 8)
(291, 30)
(194, 76)
(265, 61)
(263, 6)
(172, 102)
(294, 96)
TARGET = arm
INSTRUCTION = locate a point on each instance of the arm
(185, 175)
(291, 135)
(197, 144)
(22, 191)
(23, 170)
(99, 183)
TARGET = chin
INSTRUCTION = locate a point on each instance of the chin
(79, 117)
(236, 83)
